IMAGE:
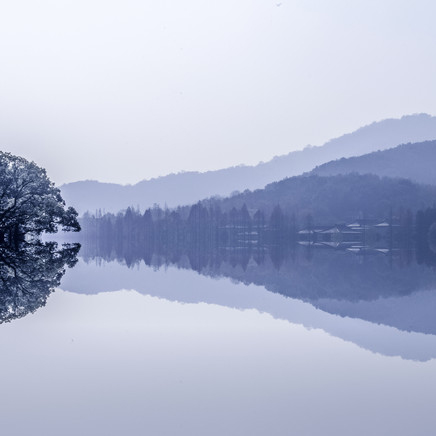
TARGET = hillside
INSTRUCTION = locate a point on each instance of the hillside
(334, 199)
(412, 161)
(189, 187)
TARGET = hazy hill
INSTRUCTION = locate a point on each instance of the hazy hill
(187, 188)
(411, 161)
(334, 199)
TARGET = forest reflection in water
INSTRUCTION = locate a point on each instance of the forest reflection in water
(379, 285)
(129, 344)
(395, 287)
(298, 270)
(29, 273)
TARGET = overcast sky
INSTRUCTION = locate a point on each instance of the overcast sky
(127, 90)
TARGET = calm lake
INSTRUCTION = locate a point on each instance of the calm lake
(320, 343)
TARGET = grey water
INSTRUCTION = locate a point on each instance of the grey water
(326, 344)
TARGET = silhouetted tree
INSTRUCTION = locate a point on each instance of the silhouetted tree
(29, 201)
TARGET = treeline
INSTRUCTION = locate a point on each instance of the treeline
(272, 216)
(198, 225)
(277, 210)
(283, 205)
(425, 231)
(209, 228)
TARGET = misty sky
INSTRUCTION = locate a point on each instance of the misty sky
(127, 90)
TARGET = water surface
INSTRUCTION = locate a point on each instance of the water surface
(162, 351)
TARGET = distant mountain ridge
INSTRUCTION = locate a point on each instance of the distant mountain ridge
(412, 161)
(189, 187)
(333, 199)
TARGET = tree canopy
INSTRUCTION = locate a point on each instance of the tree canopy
(29, 202)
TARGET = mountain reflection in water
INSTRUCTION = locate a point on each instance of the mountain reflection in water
(383, 288)
(147, 357)
(307, 273)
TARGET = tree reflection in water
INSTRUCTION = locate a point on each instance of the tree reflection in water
(29, 274)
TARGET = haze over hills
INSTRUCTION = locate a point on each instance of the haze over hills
(412, 161)
(333, 199)
(189, 187)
